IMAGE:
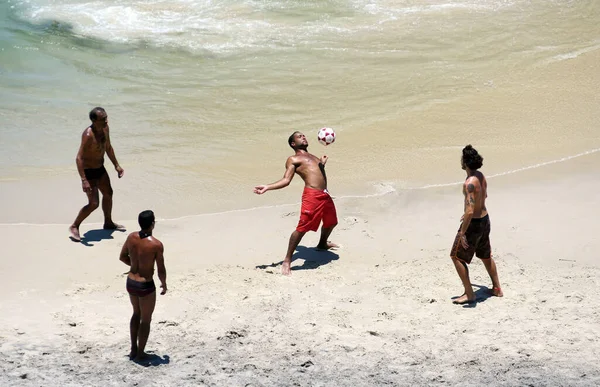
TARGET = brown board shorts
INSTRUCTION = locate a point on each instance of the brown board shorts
(478, 238)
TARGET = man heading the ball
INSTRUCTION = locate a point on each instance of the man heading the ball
(317, 204)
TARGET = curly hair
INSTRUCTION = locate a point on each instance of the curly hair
(471, 158)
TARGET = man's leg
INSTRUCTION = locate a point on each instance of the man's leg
(93, 201)
(147, 304)
(295, 238)
(134, 325)
(324, 244)
(107, 199)
(490, 266)
(463, 273)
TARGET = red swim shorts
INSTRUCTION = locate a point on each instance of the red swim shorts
(317, 205)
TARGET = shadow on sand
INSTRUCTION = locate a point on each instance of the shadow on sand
(481, 295)
(97, 236)
(313, 258)
(153, 360)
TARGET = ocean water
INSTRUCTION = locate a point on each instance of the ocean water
(202, 94)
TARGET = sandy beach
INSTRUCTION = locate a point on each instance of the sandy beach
(377, 311)
(202, 97)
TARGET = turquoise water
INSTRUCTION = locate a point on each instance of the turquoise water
(204, 93)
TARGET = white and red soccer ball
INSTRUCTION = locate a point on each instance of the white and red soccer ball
(326, 136)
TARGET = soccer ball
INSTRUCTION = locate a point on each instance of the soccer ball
(326, 136)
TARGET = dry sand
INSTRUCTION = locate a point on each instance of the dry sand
(376, 312)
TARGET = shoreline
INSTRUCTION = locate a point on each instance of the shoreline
(384, 188)
(524, 121)
(533, 186)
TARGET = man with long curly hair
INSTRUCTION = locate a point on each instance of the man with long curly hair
(473, 237)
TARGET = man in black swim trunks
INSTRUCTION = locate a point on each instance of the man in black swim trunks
(473, 237)
(95, 142)
(140, 251)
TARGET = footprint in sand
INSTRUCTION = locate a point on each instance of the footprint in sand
(350, 221)
(85, 288)
(386, 316)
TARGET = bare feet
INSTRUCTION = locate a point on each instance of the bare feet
(286, 268)
(329, 246)
(497, 292)
(462, 300)
(113, 226)
(141, 357)
(75, 237)
(133, 354)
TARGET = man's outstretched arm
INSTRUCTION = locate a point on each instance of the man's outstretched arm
(290, 169)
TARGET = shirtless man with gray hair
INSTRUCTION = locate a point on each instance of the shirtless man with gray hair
(95, 142)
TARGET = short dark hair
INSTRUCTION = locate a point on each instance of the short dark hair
(145, 219)
(291, 139)
(471, 158)
(95, 111)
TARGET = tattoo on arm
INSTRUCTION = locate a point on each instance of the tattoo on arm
(470, 200)
(470, 197)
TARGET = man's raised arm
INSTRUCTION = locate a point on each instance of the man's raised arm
(290, 169)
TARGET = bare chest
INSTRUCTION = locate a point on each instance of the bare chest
(96, 143)
(308, 164)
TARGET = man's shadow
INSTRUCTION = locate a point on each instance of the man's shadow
(97, 236)
(313, 258)
(153, 360)
(481, 295)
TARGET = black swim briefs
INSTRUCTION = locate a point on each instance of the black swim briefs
(140, 289)
(94, 173)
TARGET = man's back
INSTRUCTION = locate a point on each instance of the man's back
(143, 250)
